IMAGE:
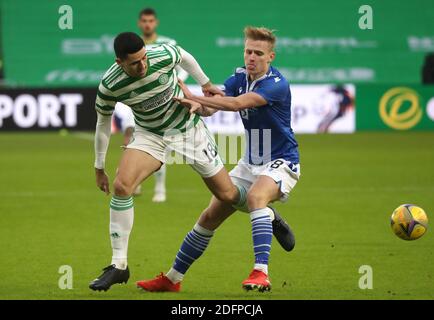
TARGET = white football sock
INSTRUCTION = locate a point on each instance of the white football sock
(174, 276)
(160, 180)
(271, 214)
(261, 267)
(121, 223)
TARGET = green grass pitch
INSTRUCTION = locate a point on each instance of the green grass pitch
(51, 214)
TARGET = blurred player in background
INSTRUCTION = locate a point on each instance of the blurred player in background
(123, 121)
(123, 116)
(269, 169)
(148, 24)
(337, 103)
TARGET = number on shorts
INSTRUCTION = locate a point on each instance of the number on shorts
(276, 164)
(210, 152)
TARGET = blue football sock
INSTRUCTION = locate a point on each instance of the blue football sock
(262, 232)
(192, 248)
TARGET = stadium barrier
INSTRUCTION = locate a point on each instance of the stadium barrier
(395, 107)
(47, 109)
(315, 109)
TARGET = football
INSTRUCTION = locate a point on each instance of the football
(409, 222)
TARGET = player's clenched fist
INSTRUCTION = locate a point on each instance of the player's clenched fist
(102, 180)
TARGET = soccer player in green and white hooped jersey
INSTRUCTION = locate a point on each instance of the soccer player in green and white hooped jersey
(148, 24)
(145, 80)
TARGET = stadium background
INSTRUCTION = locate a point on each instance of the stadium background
(318, 43)
(350, 185)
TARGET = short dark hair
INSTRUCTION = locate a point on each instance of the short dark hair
(148, 12)
(127, 42)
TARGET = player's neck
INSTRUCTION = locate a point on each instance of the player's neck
(253, 77)
(150, 39)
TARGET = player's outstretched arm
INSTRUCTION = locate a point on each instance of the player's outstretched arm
(244, 101)
(193, 106)
(220, 102)
(102, 139)
(196, 107)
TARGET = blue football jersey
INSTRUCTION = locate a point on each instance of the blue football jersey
(269, 135)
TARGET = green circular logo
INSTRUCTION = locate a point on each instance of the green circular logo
(163, 78)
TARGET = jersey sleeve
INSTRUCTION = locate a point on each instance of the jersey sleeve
(105, 101)
(230, 86)
(175, 53)
(274, 90)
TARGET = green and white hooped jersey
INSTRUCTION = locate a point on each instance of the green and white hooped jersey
(151, 96)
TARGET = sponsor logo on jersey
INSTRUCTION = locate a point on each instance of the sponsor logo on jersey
(156, 101)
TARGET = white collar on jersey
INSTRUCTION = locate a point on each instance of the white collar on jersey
(252, 85)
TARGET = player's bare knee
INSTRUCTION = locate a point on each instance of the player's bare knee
(208, 220)
(229, 196)
(122, 189)
(206, 217)
(256, 200)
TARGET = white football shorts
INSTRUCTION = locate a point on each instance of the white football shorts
(282, 171)
(195, 147)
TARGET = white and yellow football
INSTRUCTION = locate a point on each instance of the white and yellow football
(409, 222)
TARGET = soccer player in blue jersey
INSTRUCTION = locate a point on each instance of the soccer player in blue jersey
(269, 169)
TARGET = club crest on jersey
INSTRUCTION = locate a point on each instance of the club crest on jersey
(163, 79)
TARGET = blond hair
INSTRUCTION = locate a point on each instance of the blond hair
(260, 33)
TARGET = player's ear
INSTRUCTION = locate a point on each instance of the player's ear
(118, 61)
(272, 56)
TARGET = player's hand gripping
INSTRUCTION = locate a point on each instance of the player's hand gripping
(102, 180)
(193, 106)
(187, 93)
(210, 90)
